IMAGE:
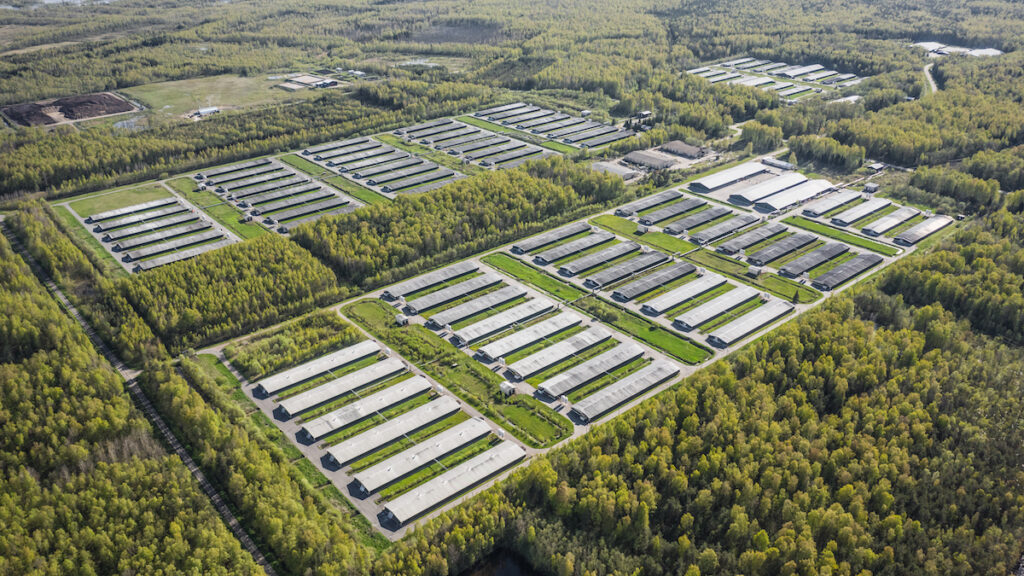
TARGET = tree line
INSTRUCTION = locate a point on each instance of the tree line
(384, 243)
(84, 487)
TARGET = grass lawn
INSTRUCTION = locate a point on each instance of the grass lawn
(781, 287)
(835, 233)
(179, 97)
(559, 147)
(216, 207)
(364, 195)
(303, 165)
(643, 329)
(120, 199)
(659, 240)
(533, 276)
(535, 424)
(111, 267)
(435, 156)
(496, 128)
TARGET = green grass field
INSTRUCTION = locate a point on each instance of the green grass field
(559, 147)
(643, 329)
(836, 234)
(659, 240)
(782, 287)
(216, 207)
(303, 165)
(533, 276)
(364, 195)
(120, 199)
(179, 97)
(111, 267)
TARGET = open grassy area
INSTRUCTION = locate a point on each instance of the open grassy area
(781, 287)
(223, 212)
(111, 267)
(658, 240)
(837, 234)
(559, 147)
(179, 97)
(364, 195)
(532, 422)
(435, 156)
(533, 276)
(643, 329)
(120, 199)
(303, 165)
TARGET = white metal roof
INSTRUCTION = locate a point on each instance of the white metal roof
(648, 202)
(859, 211)
(476, 305)
(748, 239)
(503, 320)
(624, 269)
(592, 369)
(453, 292)
(729, 176)
(336, 388)
(813, 259)
(740, 327)
(454, 481)
(762, 190)
(781, 248)
(631, 386)
(530, 335)
(653, 280)
(379, 436)
(716, 307)
(672, 210)
(890, 221)
(598, 258)
(574, 246)
(683, 294)
(356, 411)
(131, 209)
(423, 454)
(725, 228)
(551, 355)
(920, 231)
(831, 202)
(274, 384)
(795, 195)
(430, 279)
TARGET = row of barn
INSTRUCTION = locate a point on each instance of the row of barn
(472, 144)
(578, 131)
(381, 167)
(336, 392)
(275, 194)
(156, 233)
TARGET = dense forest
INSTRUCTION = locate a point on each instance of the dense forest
(386, 242)
(83, 481)
(877, 434)
(835, 445)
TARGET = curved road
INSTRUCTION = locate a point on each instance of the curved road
(928, 77)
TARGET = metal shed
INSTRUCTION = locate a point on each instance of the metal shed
(652, 281)
(748, 323)
(629, 387)
(283, 380)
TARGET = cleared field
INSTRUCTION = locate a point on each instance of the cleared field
(113, 200)
(659, 240)
(356, 191)
(216, 207)
(534, 277)
(645, 330)
(303, 165)
(179, 97)
(851, 239)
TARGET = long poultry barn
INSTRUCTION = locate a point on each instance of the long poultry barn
(604, 400)
(558, 352)
(327, 392)
(529, 336)
(317, 367)
(363, 408)
(502, 321)
(594, 368)
(652, 281)
(475, 306)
